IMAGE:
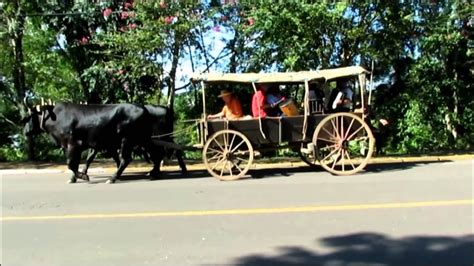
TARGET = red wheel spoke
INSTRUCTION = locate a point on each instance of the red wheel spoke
(329, 155)
(330, 134)
(349, 128)
(350, 161)
(327, 140)
(335, 161)
(335, 129)
(329, 147)
(355, 132)
(342, 127)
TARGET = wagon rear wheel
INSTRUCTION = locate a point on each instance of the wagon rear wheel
(343, 143)
(228, 155)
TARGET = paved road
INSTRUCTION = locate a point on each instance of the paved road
(394, 214)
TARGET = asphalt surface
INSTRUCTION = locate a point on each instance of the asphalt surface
(393, 214)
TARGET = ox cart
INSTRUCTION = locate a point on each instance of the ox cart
(340, 142)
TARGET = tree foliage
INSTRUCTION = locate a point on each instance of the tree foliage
(140, 51)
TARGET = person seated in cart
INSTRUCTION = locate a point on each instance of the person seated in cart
(274, 98)
(260, 103)
(341, 97)
(269, 102)
(232, 108)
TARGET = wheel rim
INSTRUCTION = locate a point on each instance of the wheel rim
(228, 155)
(344, 143)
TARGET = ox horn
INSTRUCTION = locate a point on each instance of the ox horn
(38, 108)
(42, 101)
(50, 102)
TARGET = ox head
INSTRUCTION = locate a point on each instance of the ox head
(37, 116)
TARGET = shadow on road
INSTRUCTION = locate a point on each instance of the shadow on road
(374, 249)
(384, 167)
(261, 173)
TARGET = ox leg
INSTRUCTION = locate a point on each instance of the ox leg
(182, 165)
(73, 159)
(90, 158)
(116, 158)
(157, 153)
(125, 159)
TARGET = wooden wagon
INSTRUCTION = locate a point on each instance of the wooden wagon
(342, 143)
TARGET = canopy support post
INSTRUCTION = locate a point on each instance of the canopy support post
(204, 119)
(306, 108)
(371, 86)
(259, 117)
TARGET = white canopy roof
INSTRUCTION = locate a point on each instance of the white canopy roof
(283, 77)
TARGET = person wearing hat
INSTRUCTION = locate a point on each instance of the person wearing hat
(232, 108)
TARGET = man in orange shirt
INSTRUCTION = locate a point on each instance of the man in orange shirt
(232, 108)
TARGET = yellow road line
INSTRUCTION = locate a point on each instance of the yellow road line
(302, 209)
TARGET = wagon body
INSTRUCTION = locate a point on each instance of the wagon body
(324, 139)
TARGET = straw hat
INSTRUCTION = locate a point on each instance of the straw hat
(224, 93)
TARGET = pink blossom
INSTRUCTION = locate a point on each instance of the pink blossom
(132, 26)
(127, 5)
(124, 15)
(123, 28)
(107, 12)
(169, 19)
(121, 72)
(84, 40)
(162, 4)
(251, 21)
(216, 28)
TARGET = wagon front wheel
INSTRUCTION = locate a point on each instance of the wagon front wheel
(228, 155)
(343, 143)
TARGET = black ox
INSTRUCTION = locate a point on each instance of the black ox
(110, 128)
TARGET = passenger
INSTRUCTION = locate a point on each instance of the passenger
(341, 97)
(260, 105)
(274, 98)
(232, 108)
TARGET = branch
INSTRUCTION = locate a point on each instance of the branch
(8, 120)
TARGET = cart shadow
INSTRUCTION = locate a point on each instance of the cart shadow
(260, 173)
(396, 166)
(283, 172)
(373, 249)
(371, 168)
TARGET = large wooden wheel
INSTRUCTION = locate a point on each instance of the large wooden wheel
(228, 155)
(343, 143)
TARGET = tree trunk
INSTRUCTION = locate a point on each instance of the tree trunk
(233, 57)
(16, 27)
(172, 78)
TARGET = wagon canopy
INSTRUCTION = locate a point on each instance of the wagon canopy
(281, 77)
